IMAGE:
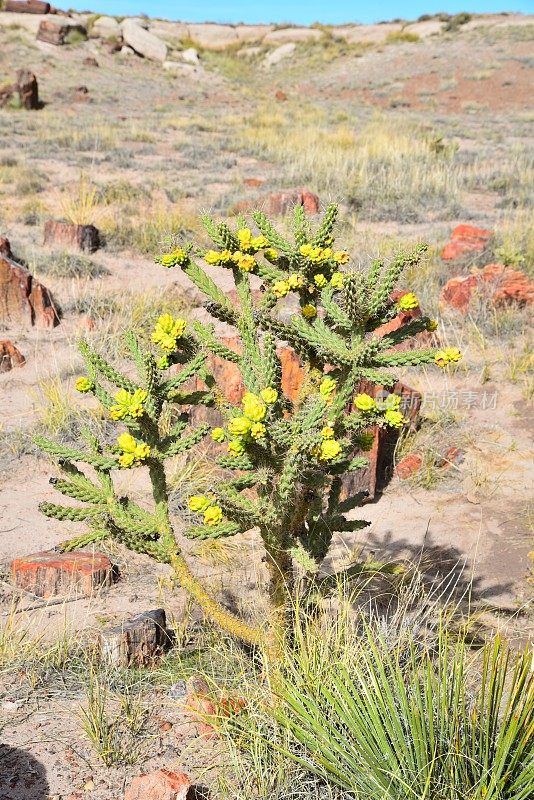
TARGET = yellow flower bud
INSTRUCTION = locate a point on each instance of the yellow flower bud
(269, 395)
(254, 408)
(309, 311)
(432, 325)
(270, 254)
(305, 249)
(364, 402)
(320, 280)
(337, 280)
(394, 418)
(239, 426)
(218, 435)
(259, 242)
(236, 447)
(453, 354)
(327, 388)
(407, 302)
(213, 515)
(142, 451)
(212, 257)
(245, 263)
(258, 430)
(126, 460)
(83, 384)
(295, 280)
(281, 288)
(198, 503)
(329, 449)
(126, 442)
(327, 432)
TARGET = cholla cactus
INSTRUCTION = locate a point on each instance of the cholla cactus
(284, 458)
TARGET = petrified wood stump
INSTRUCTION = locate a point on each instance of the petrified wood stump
(51, 574)
(139, 641)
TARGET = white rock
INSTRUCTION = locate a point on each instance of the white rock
(143, 42)
(429, 27)
(142, 22)
(293, 35)
(284, 51)
(353, 34)
(252, 33)
(212, 36)
(105, 28)
(169, 31)
(126, 51)
(190, 56)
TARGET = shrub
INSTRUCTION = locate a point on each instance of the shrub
(285, 456)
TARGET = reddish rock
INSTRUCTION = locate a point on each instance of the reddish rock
(5, 247)
(23, 300)
(253, 182)
(10, 356)
(280, 96)
(49, 574)
(90, 61)
(280, 203)
(159, 785)
(408, 466)
(53, 31)
(26, 6)
(465, 239)
(165, 726)
(453, 456)
(457, 292)
(501, 285)
(25, 87)
(68, 234)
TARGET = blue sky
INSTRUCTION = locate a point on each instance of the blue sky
(303, 12)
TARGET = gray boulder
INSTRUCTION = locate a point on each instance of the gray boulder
(143, 42)
(275, 56)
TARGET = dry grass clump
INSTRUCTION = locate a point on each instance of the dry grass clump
(389, 170)
(145, 228)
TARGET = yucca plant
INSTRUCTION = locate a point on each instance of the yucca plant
(428, 722)
(284, 457)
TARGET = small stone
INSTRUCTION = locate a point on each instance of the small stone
(280, 95)
(178, 690)
(453, 456)
(10, 356)
(408, 466)
(165, 726)
(279, 54)
(11, 706)
(90, 61)
(159, 785)
(190, 56)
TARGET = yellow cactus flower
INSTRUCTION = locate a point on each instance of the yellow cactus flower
(320, 280)
(83, 384)
(246, 263)
(258, 430)
(178, 256)
(239, 426)
(218, 435)
(341, 257)
(441, 359)
(364, 402)
(393, 401)
(281, 288)
(432, 325)
(127, 442)
(167, 331)
(213, 515)
(126, 460)
(254, 408)
(453, 354)
(236, 447)
(270, 254)
(327, 388)
(407, 302)
(305, 249)
(244, 237)
(327, 432)
(128, 405)
(198, 503)
(394, 418)
(142, 451)
(269, 395)
(309, 311)
(295, 280)
(259, 242)
(212, 257)
(337, 280)
(329, 449)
